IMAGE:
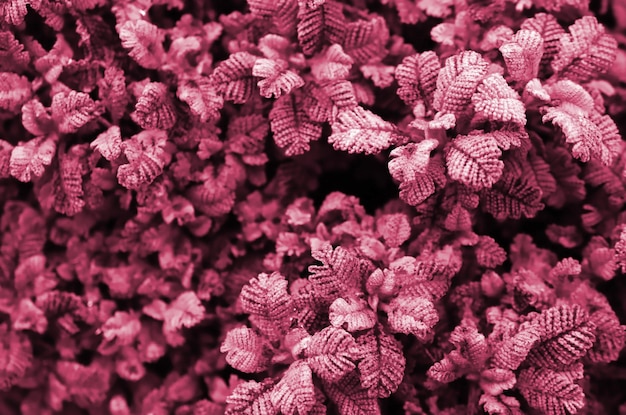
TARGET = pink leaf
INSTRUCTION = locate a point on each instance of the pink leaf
(245, 350)
(30, 159)
(109, 143)
(73, 110)
(144, 41)
(353, 313)
(294, 394)
(361, 131)
(292, 127)
(155, 108)
(497, 101)
(412, 315)
(146, 159)
(474, 160)
(277, 79)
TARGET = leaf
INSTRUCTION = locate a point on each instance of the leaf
(13, 57)
(419, 174)
(522, 55)
(112, 92)
(251, 398)
(412, 315)
(351, 398)
(269, 304)
(585, 52)
(73, 110)
(549, 391)
(331, 353)
(457, 81)
(340, 271)
(17, 357)
(121, 328)
(512, 198)
(609, 334)
(109, 143)
(474, 160)
(185, 311)
(154, 108)
(277, 79)
(365, 41)
(353, 313)
(382, 363)
(15, 90)
(146, 159)
(292, 127)
(5, 159)
(14, 11)
(245, 350)
(86, 385)
(551, 32)
(566, 334)
(30, 159)
(202, 97)
(68, 182)
(394, 228)
(497, 101)
(488, 253)
(361, 131)
(233, 77)
(494, 381)
(319, 23)
(145, 42)
(294, 394)
(332, 64)
(417, 78)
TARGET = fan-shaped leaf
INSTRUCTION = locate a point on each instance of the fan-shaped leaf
(331, 353)
(419, 174)
(365, 41)
(550, 31)
(566, 334)
(15, 90)
(353, 313)
(146, 159)
(474, 160)
(512, 197)
(245, 350)
(412, 315)
(154, 108)
(351, 398)
(251, 398)
(457, 82)
(497, 101)
(382, 365)
(361, 131)
(29, 159)
(292, 127)
(551, 392)
(585, 52)
(522, 55)
(109, 143)
(266, 299)
(294, 394)
(417, 78)
(319, 23)
(201, 96)
(144, 41)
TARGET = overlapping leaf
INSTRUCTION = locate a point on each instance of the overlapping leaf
(361, 131)
(497, 101)
(474, 160)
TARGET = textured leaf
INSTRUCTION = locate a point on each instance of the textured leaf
(277, 79)
(331, 65)
(109, 143)
(233, 77)
(495, 381)
(201, 96)
(457, 81)
(13, 58)
(361, 131)
(522, 55)
(353, 313)
(488, 253)
(68, 182)
(551, 32)
(17, 356)
(412, 315)
(86, 385)
(331, 353)
(365, 41)
(36, 119)
(351, 398)
(319, 23)
(185, 311)
(154, 108)
(144, 41)
(609, 334)
(251, 398)
(419, 174)
(294, 394)
(566, 334)
(146, 159)
(474, 160)
(245, 350)
(511, 197)
(15, 90)
(112, 92)
(29, 159)
(340, 271)
(585, 52)
(292, 127)
(497, 101)
(14, 11)
(551, 392)
(73, 110)
(266, 299)
(382, 365)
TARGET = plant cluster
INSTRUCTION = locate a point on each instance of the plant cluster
(312, 207)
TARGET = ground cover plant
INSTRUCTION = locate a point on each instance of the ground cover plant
(312, 207)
